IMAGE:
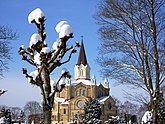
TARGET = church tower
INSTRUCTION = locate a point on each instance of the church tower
(82, 69)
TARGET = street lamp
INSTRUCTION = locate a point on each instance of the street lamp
(78, 116)
(73, 116)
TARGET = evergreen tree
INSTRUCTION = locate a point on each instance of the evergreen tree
(92, 112)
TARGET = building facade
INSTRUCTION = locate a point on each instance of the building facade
(69, 104)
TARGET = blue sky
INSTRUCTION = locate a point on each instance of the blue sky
(79, 13)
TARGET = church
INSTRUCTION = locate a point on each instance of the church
(69, 104)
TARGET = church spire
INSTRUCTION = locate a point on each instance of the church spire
(82, 69)
(82, 56)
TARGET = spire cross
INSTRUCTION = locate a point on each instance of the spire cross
(82, 38)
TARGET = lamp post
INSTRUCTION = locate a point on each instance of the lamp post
(73, 116)
(78, 117)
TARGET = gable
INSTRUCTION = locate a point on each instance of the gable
(101, 87)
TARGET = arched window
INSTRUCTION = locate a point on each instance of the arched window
(81, 72)
(80, 91)
(77, 93)
(64, 111)
(109, 105)
(99, 93)
(83, 93)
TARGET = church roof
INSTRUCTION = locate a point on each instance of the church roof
(103, 98)
(86, 82)
(64, 101)
(61, 100)
(82, 56)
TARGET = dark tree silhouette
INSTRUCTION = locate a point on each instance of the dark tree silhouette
(6, 35)
(132, 48)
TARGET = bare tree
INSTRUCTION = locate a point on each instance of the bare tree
(132, 47)
(32, 107)
(15, 111)
(6, 34)
(45, 60)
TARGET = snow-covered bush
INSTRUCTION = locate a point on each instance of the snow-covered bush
(147, 117)
(115, 120)
(3, 120)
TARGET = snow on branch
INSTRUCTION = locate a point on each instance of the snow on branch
(55, 60)
(35, 15)
(35, 38)
(64, 29)
(2, 91)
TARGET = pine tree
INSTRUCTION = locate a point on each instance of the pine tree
(92, 112)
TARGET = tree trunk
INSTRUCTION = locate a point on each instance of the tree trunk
(156, 56)
(47, 109)
(155, 109)
(154, 114)
(47, 112)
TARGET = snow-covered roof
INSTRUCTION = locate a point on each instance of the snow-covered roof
(61, 100)
(64, 101)
(102, 99)
(84, 81)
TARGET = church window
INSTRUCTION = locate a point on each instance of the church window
(53, 117)
(81, 72)
(63, 93)
(109, 105)
(80, 92)
(54, 107)
(100, 94)
(77, 93)
(83, 93)
(78, 73)
(64, 111)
